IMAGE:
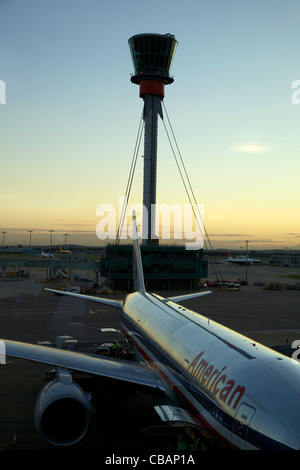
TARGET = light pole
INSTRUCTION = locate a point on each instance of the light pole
(3, 233)
(66, 235)
(247, 241)
(51, 231)
(30, 232)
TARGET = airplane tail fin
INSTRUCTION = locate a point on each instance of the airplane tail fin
(138, 276)
(227, 254)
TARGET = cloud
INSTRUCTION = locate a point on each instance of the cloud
(251, 147)
(228, 235)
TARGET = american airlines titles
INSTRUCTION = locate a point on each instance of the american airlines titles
(216, 381)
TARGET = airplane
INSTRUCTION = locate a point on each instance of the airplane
(242, 260)
(46, 255)
(64, 251)
(245, 394)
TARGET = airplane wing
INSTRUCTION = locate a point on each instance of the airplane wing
(106, 367)
(119, 303)
(179, 298)
(110, 302)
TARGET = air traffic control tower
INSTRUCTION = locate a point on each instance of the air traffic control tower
(152, 57)
(166, 267)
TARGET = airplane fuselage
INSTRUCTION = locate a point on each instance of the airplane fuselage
(245, 393)
(244, 261)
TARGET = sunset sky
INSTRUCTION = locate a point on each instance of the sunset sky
(71, 115)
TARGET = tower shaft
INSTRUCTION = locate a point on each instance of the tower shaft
(152, 109)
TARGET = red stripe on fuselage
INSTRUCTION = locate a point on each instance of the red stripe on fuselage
(196, 412)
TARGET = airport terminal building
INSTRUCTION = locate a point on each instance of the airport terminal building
(285, 259)
(165, 267)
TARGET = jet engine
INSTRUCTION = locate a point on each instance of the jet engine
(62, 411)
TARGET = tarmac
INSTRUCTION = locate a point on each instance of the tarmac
(123, 417)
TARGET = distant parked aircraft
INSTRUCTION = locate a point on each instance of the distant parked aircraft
(46, 255)
(242, 260)
(64, 251)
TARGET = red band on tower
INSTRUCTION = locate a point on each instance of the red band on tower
(152, 87)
